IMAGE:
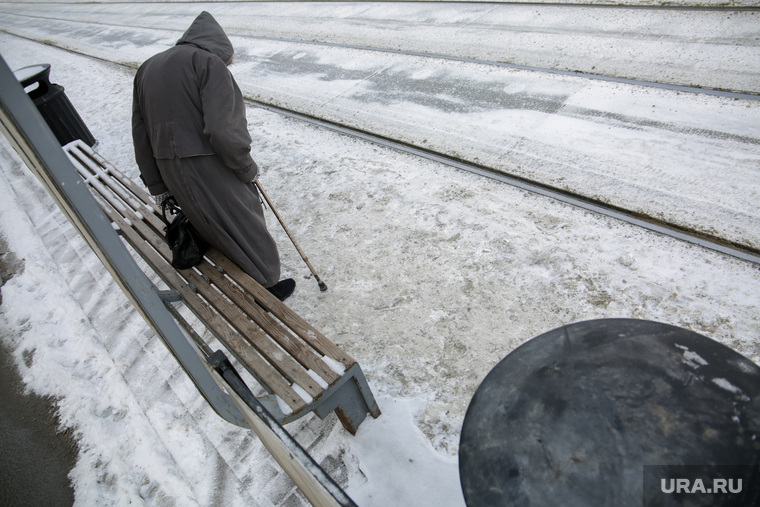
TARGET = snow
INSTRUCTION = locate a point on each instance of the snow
(728, 386)
(434, 274)
(693, 359)
(533, 125)
(397, 473)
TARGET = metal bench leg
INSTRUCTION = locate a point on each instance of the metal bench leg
(352, 400)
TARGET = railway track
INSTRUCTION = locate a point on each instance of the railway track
(597, 206)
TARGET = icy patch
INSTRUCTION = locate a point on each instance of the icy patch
(419, 475)
(728, 386)
(692, 359)
(302, 393)
(746, 367)
(334, 365)
(422, 74)
(284, 407)
(319, 380)
(514, 88)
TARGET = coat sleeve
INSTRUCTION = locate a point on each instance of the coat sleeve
(149, 172)
(224, 120)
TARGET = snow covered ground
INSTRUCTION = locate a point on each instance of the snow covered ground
(434, 274)
(539, 126)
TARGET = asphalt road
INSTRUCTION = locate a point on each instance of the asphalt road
(35, 457)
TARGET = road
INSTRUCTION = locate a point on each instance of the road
(685, 158)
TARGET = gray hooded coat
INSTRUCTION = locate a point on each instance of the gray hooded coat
(191, 138)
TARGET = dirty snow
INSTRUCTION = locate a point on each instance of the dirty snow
(434, 276)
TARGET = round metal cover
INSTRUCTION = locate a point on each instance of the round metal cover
(572, 416)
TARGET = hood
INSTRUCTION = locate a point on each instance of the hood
(207, 34)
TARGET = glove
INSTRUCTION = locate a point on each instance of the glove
(160, 198)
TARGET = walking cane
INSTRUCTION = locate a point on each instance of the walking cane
(322, 285)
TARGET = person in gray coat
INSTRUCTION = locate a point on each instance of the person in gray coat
(191, 141)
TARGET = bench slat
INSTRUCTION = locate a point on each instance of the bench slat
(283, 362)
(300, 351)
(292, 319)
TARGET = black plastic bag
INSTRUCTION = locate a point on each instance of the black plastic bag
(186, 244)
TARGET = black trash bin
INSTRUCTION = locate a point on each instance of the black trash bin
(53, 105)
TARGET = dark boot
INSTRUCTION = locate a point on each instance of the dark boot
(282, 289)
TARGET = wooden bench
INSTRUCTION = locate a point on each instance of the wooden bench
(299, 369)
